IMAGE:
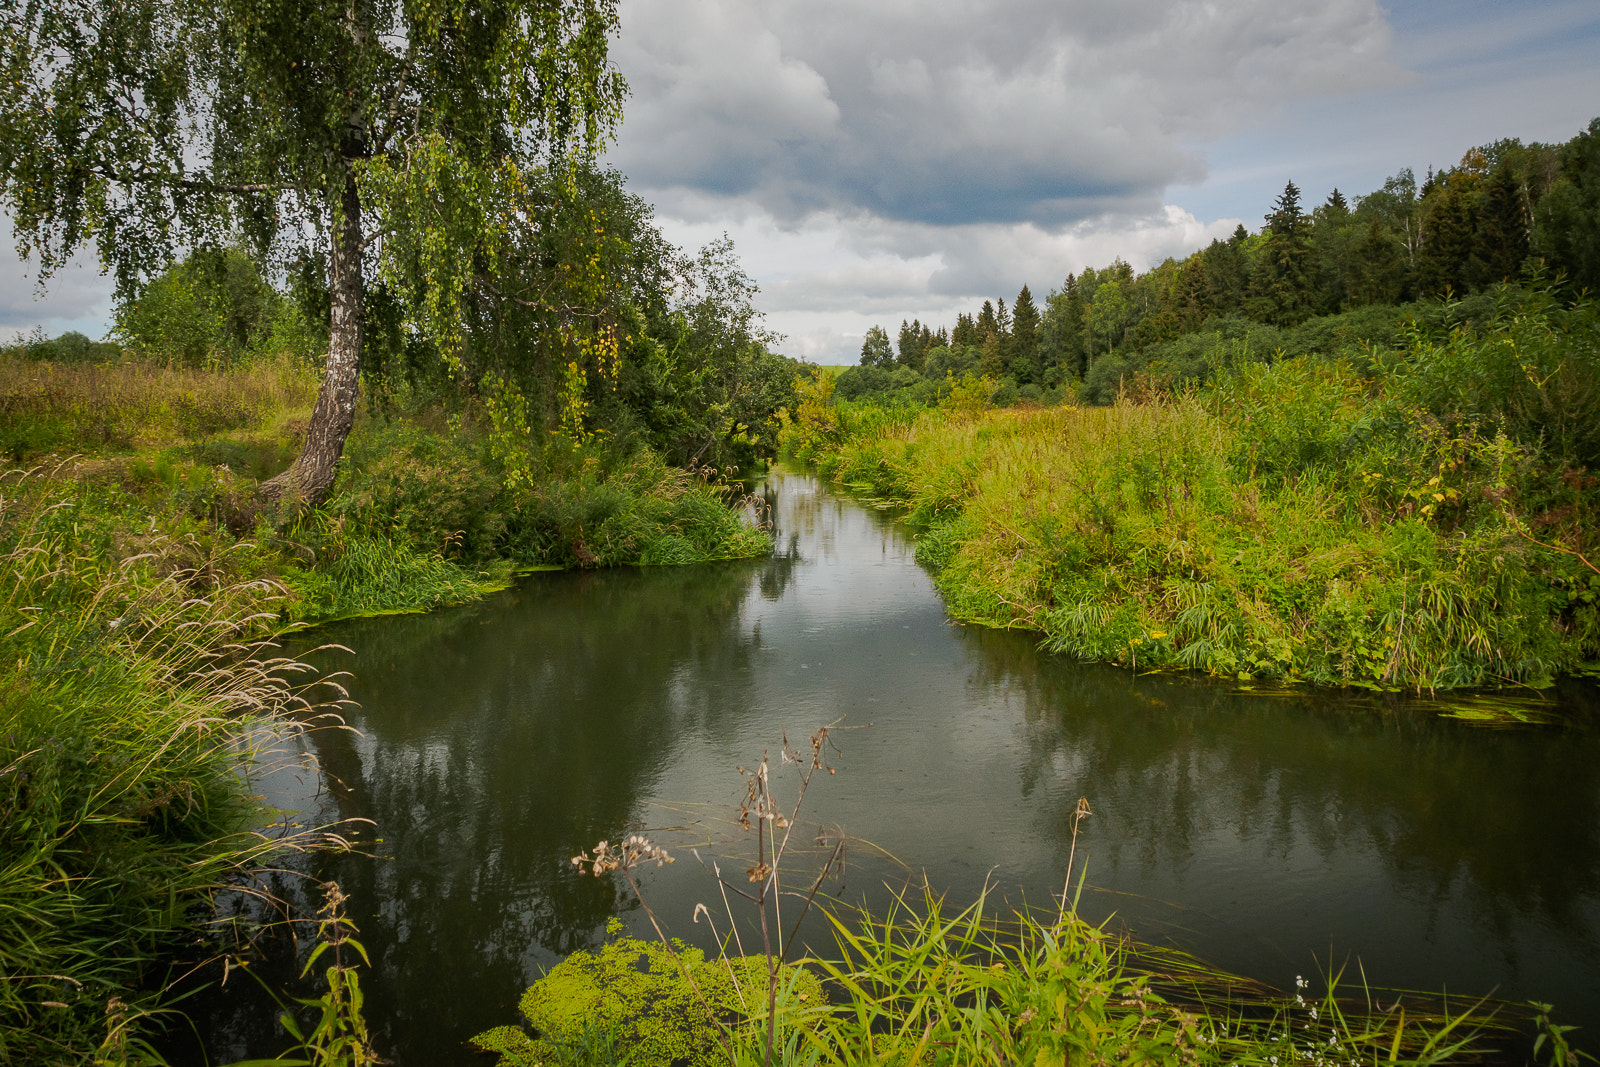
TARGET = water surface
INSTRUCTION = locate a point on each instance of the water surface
(1268, 834)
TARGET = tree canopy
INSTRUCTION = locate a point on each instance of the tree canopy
(399, 141)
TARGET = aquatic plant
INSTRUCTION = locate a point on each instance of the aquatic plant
(919, 984)
(661, 1002)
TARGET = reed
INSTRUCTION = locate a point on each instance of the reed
(127, 700)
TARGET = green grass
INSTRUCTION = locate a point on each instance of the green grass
(924, 985)
(141, 578)
(128, 696)
(1301, 522)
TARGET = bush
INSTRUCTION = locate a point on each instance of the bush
(215, 306)
(1531, 372)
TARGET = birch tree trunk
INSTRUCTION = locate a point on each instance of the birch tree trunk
(310, 479)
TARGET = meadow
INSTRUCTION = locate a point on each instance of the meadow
(1423, 519)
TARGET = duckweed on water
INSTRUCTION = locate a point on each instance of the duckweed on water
(635, 994)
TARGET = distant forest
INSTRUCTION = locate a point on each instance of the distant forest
(1348, 273)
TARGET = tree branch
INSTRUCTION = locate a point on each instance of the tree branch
(178, 181)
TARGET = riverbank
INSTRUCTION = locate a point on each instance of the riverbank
(1270, 834)
(1426, 523)
(143, 584)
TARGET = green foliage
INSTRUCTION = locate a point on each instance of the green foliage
(638, 994)
(288, 103)
(127, 701)
(1422, 530)
(597, 326)
(920, 985)
(1533, 373)
(214, 307)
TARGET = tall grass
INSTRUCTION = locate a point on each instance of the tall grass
(1298, 523)
(126, 697)
(80, 407)
(921, 984)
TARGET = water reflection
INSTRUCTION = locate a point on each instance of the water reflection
(1438, 853)
(497, 740)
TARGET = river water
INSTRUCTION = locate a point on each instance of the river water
(1268, 834)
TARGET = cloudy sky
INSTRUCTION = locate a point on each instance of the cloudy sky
(875, 160)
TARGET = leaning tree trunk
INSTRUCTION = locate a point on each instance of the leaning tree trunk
(310, 479)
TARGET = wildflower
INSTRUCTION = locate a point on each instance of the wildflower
(635, 850)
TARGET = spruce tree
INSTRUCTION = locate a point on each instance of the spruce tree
(1281, 283)
(1502, 229)
(914, 341)
(1378, 274)
(986, 323)
(1449, 226)
(1192, 296)
(1024, 365)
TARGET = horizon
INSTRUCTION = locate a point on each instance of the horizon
(881, 163)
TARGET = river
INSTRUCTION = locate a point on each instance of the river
(1271, 834)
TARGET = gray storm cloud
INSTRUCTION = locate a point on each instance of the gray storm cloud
(978, 112)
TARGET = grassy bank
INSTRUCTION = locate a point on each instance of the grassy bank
(128, 693)
(1424, 522)
(428, 509)
(142, 578)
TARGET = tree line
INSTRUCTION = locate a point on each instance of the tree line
(1507, 212)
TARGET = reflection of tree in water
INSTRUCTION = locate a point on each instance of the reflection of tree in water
(499, 740)
(1513, 817)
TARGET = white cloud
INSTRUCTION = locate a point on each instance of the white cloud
(891, 159)
(984, 111)
(826, 281)
(78, 297)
